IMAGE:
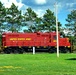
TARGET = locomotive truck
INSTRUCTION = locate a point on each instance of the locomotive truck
(23, 42)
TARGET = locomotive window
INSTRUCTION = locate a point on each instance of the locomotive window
(61, 36)
(55, 37)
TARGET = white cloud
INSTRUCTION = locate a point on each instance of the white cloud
(70, 4)
(40, 1)
(8, 3)
(39, 12)
(60, 7)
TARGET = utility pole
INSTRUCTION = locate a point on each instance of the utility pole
(57, 29)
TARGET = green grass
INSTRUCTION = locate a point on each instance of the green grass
(38, 64)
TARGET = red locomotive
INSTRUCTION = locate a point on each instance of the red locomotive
(21, 42)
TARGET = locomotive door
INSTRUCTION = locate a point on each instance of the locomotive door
(45, 39)
(52, 38)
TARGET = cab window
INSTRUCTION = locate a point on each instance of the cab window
(54, 37)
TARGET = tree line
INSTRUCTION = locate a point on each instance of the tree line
(12, 19)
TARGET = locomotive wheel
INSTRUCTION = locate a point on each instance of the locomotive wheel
(67, 50)
(52, 50)
(20, 50)
(64, 50)
(15, 51)
(7, 51)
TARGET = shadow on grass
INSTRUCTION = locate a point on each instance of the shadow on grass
(71, 59)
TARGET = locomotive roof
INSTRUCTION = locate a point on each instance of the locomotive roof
(31, 33)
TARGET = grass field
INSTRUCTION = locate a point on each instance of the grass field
(38, 64)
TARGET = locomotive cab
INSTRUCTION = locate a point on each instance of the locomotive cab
(64, 44)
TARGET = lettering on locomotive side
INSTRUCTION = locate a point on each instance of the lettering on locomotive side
(21, 39)
(28, 38)
(17, 39)
(13, 39)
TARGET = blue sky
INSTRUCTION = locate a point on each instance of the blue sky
(40, 6)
